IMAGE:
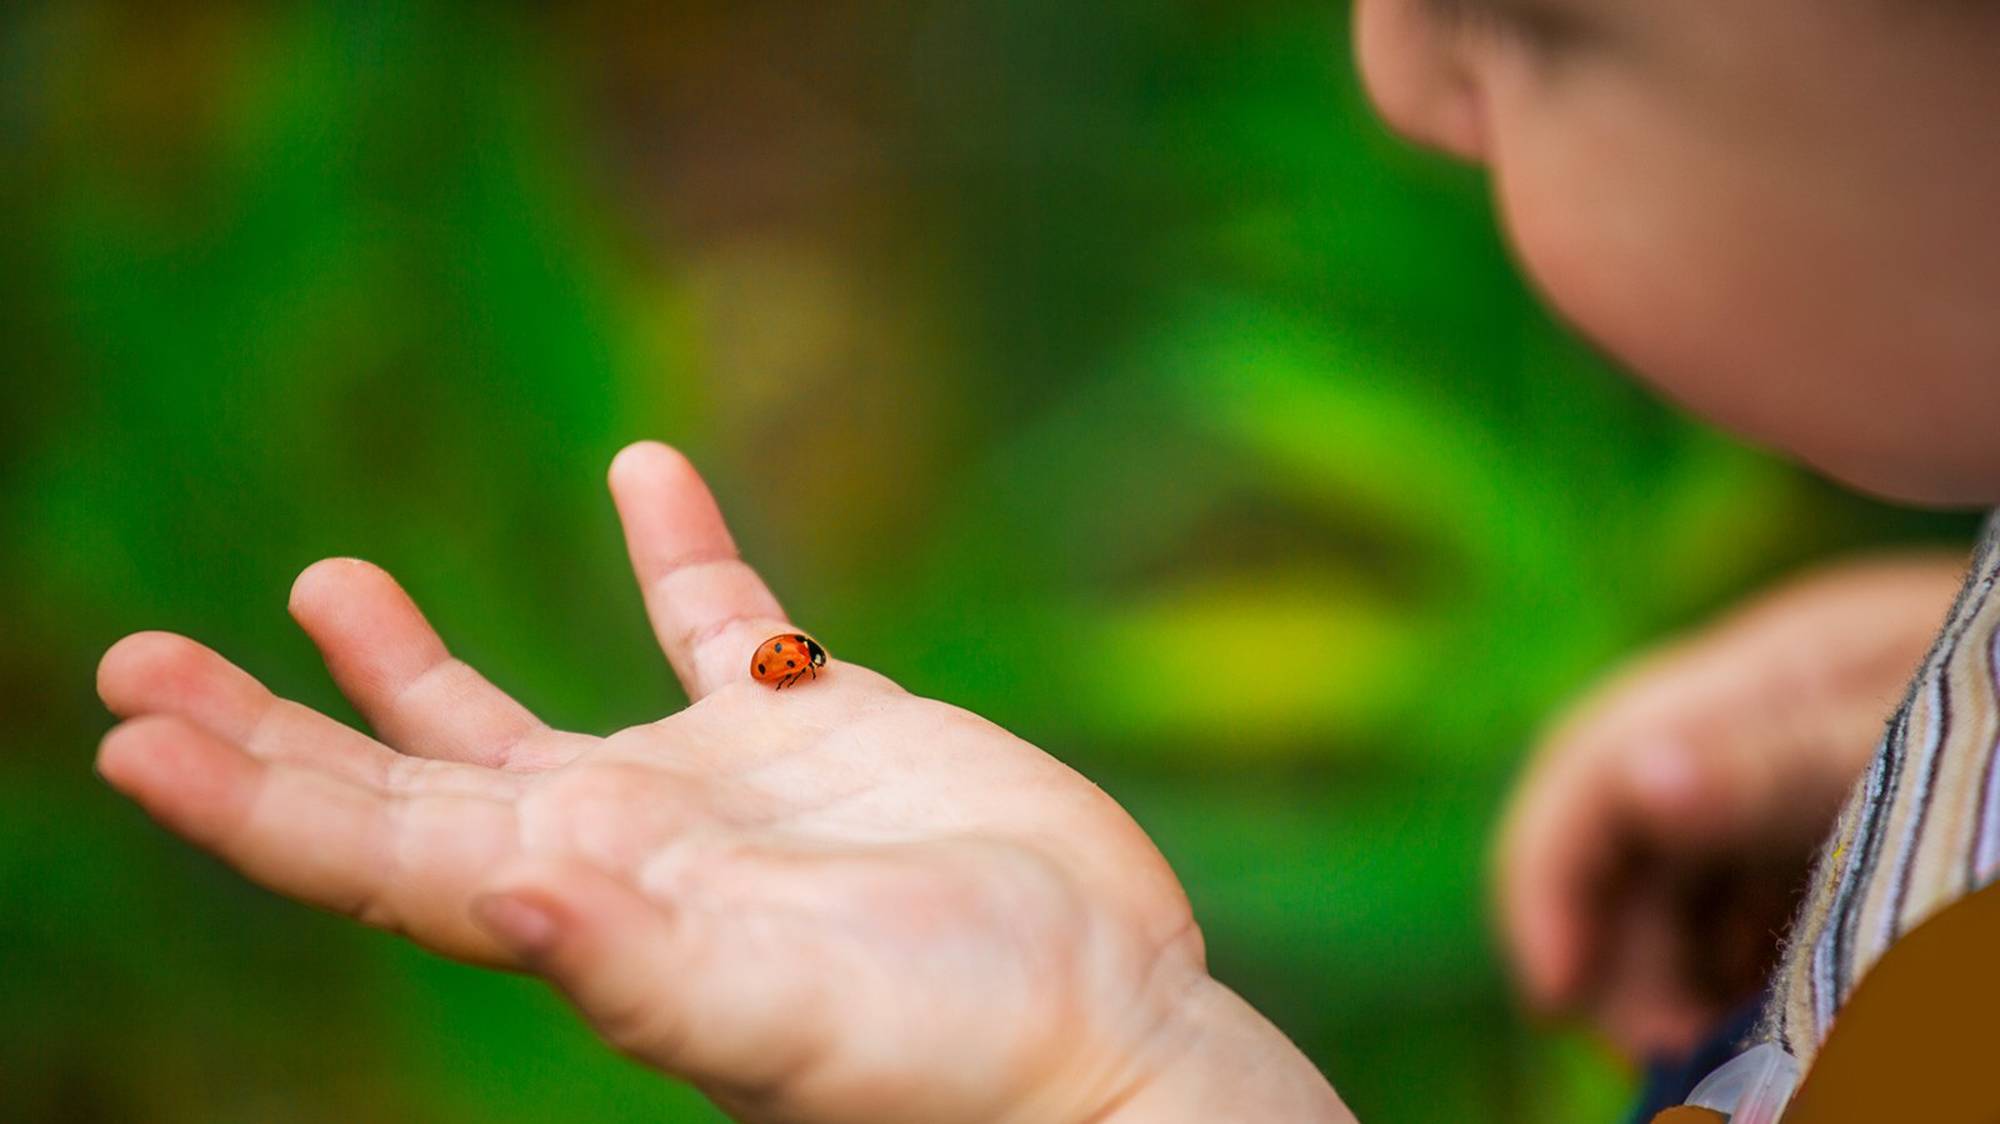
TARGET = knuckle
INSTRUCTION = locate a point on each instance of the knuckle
(701, 636)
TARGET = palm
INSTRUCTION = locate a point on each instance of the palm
(814, 903)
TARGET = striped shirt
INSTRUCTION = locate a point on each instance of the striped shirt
(1920, 831)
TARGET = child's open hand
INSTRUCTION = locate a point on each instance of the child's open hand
(839, 902)
(1660, 841)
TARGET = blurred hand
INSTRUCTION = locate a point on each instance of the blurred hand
(838, 902)
(1661, 839)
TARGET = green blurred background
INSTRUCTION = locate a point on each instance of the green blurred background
(1005, 329)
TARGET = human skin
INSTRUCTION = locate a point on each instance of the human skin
(840, 902)
(1777, 211)
(1780, 213)
(1656, 846)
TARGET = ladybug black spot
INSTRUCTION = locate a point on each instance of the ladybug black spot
(760, 669)
(777, 647)
(801, 639)
(791, 663)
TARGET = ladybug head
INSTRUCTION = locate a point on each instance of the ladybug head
(814, 652)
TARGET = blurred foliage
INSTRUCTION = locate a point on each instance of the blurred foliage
(1011, 334)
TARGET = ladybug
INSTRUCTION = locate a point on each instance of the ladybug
(782, 660)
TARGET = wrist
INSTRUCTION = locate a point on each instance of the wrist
(1219, 1059)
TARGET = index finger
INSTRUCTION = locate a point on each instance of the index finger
(408, 862)
(709, 609)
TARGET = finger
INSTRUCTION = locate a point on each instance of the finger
(162, 673)
(402, 863)
(1548, 835)
(709, 609)
(392, 666)
(613, 953)
(1675, 795)
(1587, 809)
(1649, 1006)
(661, 981)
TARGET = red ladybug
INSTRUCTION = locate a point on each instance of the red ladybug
(782, 660)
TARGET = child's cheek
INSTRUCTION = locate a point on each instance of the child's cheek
(1605, 225)
(1660, 244)
(1778, 262)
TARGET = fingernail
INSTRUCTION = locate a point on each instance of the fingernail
(520, 925)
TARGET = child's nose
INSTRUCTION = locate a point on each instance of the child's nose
(1416, 76)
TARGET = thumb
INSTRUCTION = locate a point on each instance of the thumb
(611, 951)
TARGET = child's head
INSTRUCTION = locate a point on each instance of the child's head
(1786, 213)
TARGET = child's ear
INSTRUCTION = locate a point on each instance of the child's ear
(1415, 73)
